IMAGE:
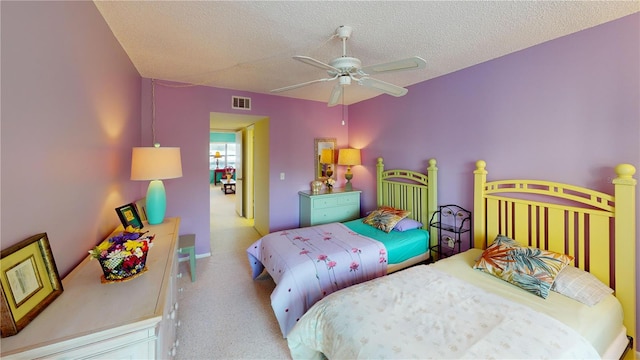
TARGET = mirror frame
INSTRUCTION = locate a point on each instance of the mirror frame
(323, 143)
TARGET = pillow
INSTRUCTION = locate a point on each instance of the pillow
(385, 218)
(580, 285)
(407, 224)
(529, 268)
(506, 241)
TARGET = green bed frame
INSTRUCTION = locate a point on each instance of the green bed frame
(410, 190)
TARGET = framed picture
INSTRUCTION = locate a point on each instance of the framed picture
(129, 215)
(30, 282)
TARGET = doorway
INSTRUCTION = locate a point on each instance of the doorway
(251, 199)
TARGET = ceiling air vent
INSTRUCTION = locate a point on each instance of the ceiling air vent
(242, 103)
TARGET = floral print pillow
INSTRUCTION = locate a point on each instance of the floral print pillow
(506, 241)
(385, 218)
(529, 268)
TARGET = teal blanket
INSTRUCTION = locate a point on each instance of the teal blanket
(400, 245)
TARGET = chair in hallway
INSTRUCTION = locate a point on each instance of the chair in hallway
(187, 245)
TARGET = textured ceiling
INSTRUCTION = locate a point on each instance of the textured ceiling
(248, 45)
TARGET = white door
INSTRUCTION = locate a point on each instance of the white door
(239, 174)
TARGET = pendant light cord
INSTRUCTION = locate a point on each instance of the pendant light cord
(153, 112)
(343, 89)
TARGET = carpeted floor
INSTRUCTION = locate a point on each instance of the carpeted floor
(225, 314)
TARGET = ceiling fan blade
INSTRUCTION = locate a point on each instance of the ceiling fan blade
(291, 87)
(385, 87)
(317, 63)
(412, 63)
(334, 99)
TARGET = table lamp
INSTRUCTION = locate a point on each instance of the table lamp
(217, 156)
(326, 157)
(155, 164)
(348, 157)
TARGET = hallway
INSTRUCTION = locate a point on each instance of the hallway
(225, 314)
(229, 231)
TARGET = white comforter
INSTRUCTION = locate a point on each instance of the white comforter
(424, 313)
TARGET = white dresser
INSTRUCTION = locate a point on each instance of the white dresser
(325, 207)
(134, 319)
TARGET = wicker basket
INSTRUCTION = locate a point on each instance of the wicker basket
(123, 256)
(123, 268)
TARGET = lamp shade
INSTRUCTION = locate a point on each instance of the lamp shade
(155, 163)
(326, 156)
(217, 155)
(349, 157)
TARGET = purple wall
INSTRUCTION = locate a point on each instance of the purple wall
(565, 110)
(70, 116)
(182, 119)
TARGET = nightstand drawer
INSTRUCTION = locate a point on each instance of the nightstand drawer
(343, 199)
(325, 203)
(349, 199)
(338, 214)
(326, 207)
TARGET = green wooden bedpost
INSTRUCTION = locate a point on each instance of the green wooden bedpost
(432, 199)
(625, 232)
(479, 225)
(379, 170)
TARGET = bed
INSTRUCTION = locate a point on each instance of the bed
(450, 309)
(310, 263)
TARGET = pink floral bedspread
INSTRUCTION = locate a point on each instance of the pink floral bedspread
(309, 263)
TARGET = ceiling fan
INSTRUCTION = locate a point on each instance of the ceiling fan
(346, 69)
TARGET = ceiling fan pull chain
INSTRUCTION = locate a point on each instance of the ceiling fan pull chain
(344, 47)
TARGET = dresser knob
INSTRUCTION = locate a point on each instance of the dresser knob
(178, 323)
(175, 306)
(180, 290)
(179, 275)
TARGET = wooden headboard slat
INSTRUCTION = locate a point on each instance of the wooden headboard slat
(599, 248)
(582, 242)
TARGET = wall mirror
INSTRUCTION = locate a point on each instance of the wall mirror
(325, 157)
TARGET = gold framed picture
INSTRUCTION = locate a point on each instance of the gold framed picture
(30, 282)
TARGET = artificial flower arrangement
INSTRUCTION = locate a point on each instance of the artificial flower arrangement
(329, 183)
(124, 255)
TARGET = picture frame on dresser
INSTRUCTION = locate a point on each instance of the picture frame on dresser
(128, 215)
(30, 282)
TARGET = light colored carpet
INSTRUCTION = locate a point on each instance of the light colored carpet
(225, 314)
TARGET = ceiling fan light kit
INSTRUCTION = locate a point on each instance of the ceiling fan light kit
(346, 68)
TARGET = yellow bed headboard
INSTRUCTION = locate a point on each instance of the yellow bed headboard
(410, 190)
(597, 229)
